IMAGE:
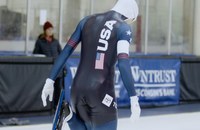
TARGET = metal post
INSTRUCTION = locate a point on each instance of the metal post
(7, 3)
(196, 26)
(27, 26)
(169, 28)
(146, 27)
(91, 6)
(60, 21)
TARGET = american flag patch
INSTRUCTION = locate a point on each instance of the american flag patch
(99, 63)
(72, 43)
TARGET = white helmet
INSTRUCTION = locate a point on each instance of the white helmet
(128, 8)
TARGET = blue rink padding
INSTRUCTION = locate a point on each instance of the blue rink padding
(12, 53)
(156, 80)
(22, 53)
(167, 65)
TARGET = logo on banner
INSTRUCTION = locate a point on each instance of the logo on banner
(153, 78)
(155, 83)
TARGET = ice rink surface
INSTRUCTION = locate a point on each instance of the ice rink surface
(185, 117)
(186, 121)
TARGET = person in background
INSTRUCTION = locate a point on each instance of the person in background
(46, 43)
(49, 46)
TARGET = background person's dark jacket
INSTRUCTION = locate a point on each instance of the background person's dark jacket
(47, 48)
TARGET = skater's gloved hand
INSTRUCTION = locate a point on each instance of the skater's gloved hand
(135, 108)
(47, 91)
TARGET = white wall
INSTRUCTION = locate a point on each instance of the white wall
(158, 7)
(2, 2)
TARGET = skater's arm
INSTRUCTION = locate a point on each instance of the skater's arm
(67, 51)
(124, 39)
(125, 70)
(60, 62)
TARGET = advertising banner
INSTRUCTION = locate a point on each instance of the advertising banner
(156, 81)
